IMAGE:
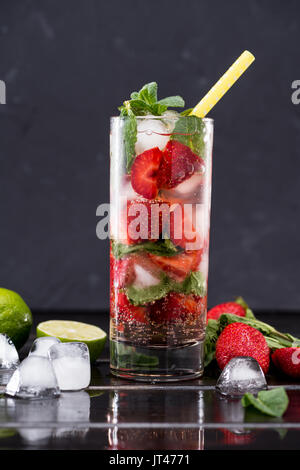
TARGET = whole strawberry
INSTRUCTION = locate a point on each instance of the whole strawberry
(228, 307)
(288, 361)
(238, 339)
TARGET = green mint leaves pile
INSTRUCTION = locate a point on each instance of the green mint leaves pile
(269, 402)
(188, 129)
(275, 339)
(145, 102)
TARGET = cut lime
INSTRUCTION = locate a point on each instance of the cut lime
(15, 317)
(68, 331)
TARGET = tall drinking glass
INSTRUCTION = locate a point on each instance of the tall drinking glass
(160, 197)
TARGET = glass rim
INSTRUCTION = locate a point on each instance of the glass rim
(170, 118)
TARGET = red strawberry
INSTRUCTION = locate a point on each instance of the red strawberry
(228, 307)
(238, 339)
(178, 266)
(126, 312)
(288, 361)
(144, 220)
(182, 230)
(144, 173)
(178, 164)
(176, 308)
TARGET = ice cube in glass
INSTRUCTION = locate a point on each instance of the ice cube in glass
(41, 346)
(34, 378)
(241, 375)
(71, 363)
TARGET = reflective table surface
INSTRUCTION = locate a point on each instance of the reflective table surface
(123, 415)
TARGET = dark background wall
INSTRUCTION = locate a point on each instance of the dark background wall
(69, 64)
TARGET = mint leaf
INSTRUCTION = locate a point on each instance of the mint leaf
(193, 284)
(126, 356)
(270, 402)
(172, 101)
(189, 131)
(139, 107)
(142, 296)
(149, 93)
(130, 138)
(161, 247)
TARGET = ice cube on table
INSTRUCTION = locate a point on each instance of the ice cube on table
(71, 363)
(41, 346)
(151, 133)
(9, 358)
(34, 378)
(241, 375)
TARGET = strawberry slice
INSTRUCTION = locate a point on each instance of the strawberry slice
(178, 266)
(178, 164)
(176, 307)
(127, 312)
(144, 173)
(182, 227)
(144, 220)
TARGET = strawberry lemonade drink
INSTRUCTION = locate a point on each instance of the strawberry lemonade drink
(159, 229)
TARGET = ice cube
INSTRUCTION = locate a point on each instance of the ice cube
(169, 118)
(71, 363)
(9, 358)
(144, 278)
(41, 346)
(151, 133)
(191, 190)
(34, 378)
(242, 374)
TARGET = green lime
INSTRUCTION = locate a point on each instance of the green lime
(68, 331)
(15, 317)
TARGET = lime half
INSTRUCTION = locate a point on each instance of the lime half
(15, 317)
(68, 331)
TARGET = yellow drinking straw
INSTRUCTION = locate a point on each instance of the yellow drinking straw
(222, 86)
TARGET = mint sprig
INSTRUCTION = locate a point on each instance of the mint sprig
(270, 402)
(141, 103)
(145, 102)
